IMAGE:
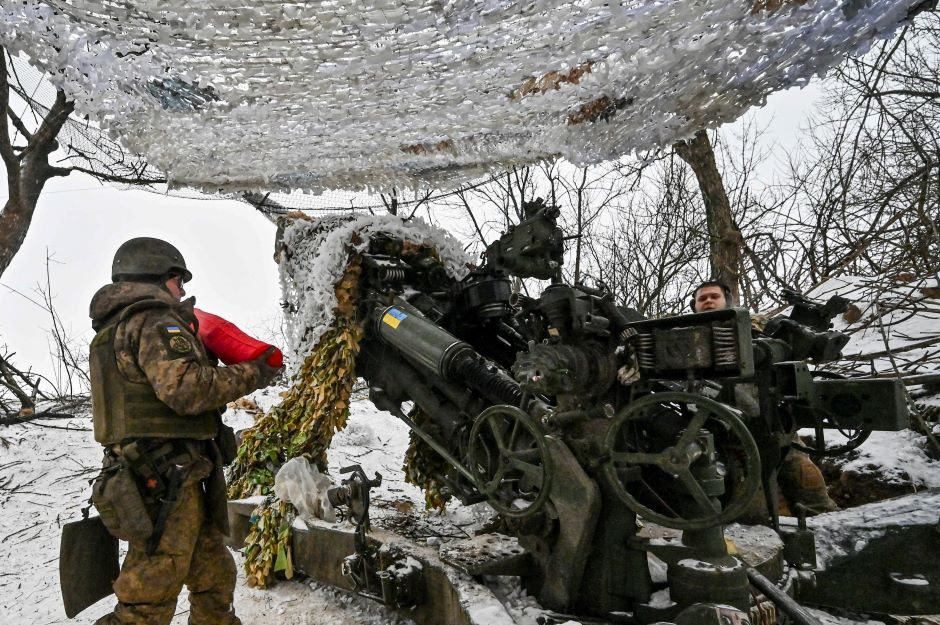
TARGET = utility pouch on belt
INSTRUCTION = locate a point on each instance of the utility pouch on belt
(88, 563)
(227, 444)
(120, 504)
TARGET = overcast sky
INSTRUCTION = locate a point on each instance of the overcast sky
(228, 246)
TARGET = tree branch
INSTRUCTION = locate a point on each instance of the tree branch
(6, 146)
(931, 95)
(864, 242)
(18, 124)
(7, 381)
(65, 171)
(44, 140)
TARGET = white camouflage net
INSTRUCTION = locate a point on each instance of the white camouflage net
(315, 254)
(380, 93)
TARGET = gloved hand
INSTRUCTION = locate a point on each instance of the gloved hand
(630, 371)
(266, 373)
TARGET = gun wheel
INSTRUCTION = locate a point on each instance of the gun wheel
(509, 461)
(644, 472)
(819, 448)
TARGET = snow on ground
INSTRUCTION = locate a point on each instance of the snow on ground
(897, 457)
(45, 468)
(44, 471)
(845, 532)
(904, 315)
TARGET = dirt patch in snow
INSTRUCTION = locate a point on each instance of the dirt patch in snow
(888, 464)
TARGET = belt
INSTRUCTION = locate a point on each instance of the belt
(160, 452)
(152, 460)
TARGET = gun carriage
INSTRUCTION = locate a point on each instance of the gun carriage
(573, 417)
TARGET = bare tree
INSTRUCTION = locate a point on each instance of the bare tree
(586, 195)
(494, 206)
(68, 383)
(28, 141)
(872, 192)
(656, 244)
(724, 238)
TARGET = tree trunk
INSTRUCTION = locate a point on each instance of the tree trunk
(724, 239)
(27, 168)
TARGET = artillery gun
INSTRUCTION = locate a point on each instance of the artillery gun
(576, 418)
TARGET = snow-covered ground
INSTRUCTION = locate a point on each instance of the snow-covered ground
(900, 314)
(46, 465)
(45, 468)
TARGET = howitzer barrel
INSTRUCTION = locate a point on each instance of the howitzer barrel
(421, 341)
(442, 354)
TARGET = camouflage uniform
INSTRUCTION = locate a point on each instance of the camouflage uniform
(153, 344)
(800, 481)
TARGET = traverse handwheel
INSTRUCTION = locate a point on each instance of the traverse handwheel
(654, 452)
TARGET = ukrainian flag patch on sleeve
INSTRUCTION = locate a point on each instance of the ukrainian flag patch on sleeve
(173, 329)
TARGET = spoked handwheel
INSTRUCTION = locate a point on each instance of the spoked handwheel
(821, 449)
(653, 453)
(509, 460)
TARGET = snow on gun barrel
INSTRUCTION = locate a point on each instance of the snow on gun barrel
(227, 341)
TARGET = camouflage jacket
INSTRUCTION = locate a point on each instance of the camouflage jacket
(157, 345)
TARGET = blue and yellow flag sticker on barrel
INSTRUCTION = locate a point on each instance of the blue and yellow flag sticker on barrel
(393, 317)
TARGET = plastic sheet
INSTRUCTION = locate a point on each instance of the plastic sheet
(302, 484)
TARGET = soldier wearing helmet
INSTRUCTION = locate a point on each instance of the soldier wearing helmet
(156, 400)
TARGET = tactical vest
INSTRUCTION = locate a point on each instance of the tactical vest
(122, 409)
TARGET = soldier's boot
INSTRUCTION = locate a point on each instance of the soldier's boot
(803, 483)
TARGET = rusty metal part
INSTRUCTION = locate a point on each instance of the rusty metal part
(764, 612)
(709, 614)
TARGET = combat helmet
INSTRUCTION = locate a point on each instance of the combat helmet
(147, 256)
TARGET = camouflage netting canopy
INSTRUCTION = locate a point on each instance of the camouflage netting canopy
(236, 95)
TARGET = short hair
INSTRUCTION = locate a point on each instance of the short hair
(724, 288)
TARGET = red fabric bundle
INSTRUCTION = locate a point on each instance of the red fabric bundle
(229, 344)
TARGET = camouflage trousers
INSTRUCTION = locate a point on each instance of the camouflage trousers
(191, 552)
(802, 482)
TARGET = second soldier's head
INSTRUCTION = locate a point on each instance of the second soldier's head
(711, 295)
